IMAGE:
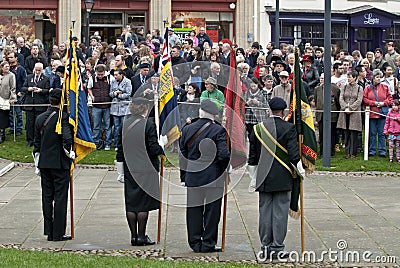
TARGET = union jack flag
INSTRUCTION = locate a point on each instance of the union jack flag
(165, 57)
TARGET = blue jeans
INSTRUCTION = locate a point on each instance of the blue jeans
(117, 124)
(376, 128)
(100, 116)
(18, 118)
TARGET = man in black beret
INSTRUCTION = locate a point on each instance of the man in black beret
(141, 78)
(204, 178)
(53, 154)
(273, 151)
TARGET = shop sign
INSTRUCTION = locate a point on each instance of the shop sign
(370, 19)
(182, 33)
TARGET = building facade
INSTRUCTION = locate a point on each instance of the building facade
(49, 20)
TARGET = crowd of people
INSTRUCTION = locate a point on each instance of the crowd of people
(121, 78)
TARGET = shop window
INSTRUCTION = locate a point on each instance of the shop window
(339, 32)
(393, 33)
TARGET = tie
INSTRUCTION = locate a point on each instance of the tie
(143, 80)
(36, 79)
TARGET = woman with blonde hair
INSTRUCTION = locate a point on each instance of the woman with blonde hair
(7, 96)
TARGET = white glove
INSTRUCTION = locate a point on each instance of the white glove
(36, 160)
(253, 178)
(120, 171)
(162, 141)
(70, 154)
(230, 169)
(301, 169)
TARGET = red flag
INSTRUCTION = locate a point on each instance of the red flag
(234, 115)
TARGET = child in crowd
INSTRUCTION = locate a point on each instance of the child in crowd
(392, 130)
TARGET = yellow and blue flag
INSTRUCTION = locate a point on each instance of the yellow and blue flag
(75, 97)
(168, 109)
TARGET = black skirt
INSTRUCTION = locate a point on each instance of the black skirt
(4, 120)
(142, 191)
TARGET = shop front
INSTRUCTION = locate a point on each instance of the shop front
(364, 28)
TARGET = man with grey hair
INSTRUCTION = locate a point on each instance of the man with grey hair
(204, 139)
(22, 49)
(36, 90)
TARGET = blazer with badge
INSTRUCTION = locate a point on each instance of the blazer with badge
(271, 175)
(137, 83)
(50, 144)
(36, 97)
(209, 165)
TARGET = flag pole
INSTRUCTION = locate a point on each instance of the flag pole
(157, 121)
(71, 201)
(225, 203)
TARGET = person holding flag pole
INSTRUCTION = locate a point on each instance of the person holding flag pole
(300, 115)
(167, 114)
(73, 98)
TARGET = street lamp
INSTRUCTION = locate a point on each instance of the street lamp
(88, 6)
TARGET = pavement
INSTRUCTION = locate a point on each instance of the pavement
(346, 215)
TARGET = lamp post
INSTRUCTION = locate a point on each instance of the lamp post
(88, 6)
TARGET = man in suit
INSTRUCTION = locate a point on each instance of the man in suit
(54, 152)
(22, 49)
(36, 90)
(34, 58)
(204, 159)
(274, 176)
(141, 78)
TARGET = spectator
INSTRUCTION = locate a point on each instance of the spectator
(378, 61)
(376, 96)
(120, 92)
(391, 55)
(99, 90)
(392, 130)
(350, 117)
(203, 37)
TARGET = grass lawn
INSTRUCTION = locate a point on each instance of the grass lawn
(24, 258)
(17, 151)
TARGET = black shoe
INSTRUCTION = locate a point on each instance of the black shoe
(134, 241)
(214, 249)
(280, 255)
(63, 238)
(144, 241)
(382, 155)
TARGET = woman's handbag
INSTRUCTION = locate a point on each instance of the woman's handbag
(384, 110)
(4, 104)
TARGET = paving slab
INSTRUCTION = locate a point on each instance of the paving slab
(364, 211)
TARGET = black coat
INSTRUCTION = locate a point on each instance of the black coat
(180, 69)
(141, 163)
(136, 83)
(271, 175)
(50, 144)
(31, 61)
(206, 168)
(33, 97)
(24, 51)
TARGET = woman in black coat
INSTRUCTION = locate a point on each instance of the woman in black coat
(139, 151)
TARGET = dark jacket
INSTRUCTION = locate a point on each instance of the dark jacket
(204, 38)
(101, 92)
(311, 77)
(206, 168)
(50, 144)
(31, 61)
(145, 143)
(20, 76)
(33, 97)
(137, 83)
(180, 69)
(271, 175)
(319, 102)
(24, 51)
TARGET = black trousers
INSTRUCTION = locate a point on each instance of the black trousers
(321, 137)
(203, 213)
(55, 184)
(351, 141)
(30, 124)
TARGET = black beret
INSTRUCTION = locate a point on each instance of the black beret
(209, 106)
(277, 104)
(144, 65)
(60, 69)
(256, 45)
(140, 100)
(55, 94)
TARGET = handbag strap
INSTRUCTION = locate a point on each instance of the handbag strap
(373, 91)
(192, 139)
